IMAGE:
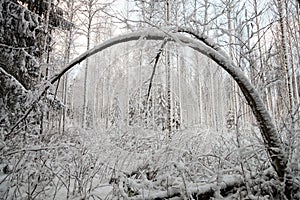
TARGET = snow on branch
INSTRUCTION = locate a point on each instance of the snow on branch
(149, 34)
(204, 38)
(11, 83)
(195, 190)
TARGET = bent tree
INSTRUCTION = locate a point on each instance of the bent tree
(205, 46)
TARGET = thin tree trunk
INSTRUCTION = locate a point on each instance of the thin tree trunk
(232, 84)
(296, 23)
(285, 57)
(85, 88)
(65, 80)
(86, 72)
(168, 80)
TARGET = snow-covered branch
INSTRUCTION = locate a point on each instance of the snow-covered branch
(197, 191)
(205, 46)
(11, 83)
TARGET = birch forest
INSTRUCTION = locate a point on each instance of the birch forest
(149, 99)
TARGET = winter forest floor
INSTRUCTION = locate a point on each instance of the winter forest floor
(133, 163)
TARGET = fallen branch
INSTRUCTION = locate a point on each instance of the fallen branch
(197, 191)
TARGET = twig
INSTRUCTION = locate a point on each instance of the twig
(32, 149)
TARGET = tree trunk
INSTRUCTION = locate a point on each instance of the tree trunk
(168, 80)
(285, 57)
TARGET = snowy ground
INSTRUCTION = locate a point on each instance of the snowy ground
(132, 163)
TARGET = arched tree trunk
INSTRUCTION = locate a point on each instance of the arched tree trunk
(204, 45)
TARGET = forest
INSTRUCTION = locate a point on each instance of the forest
(149, 99)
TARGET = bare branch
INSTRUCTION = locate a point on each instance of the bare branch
(154, 67)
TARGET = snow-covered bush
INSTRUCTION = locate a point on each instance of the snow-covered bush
(52, 166)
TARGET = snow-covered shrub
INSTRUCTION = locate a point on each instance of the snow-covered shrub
(51, 166)
(197, 165)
